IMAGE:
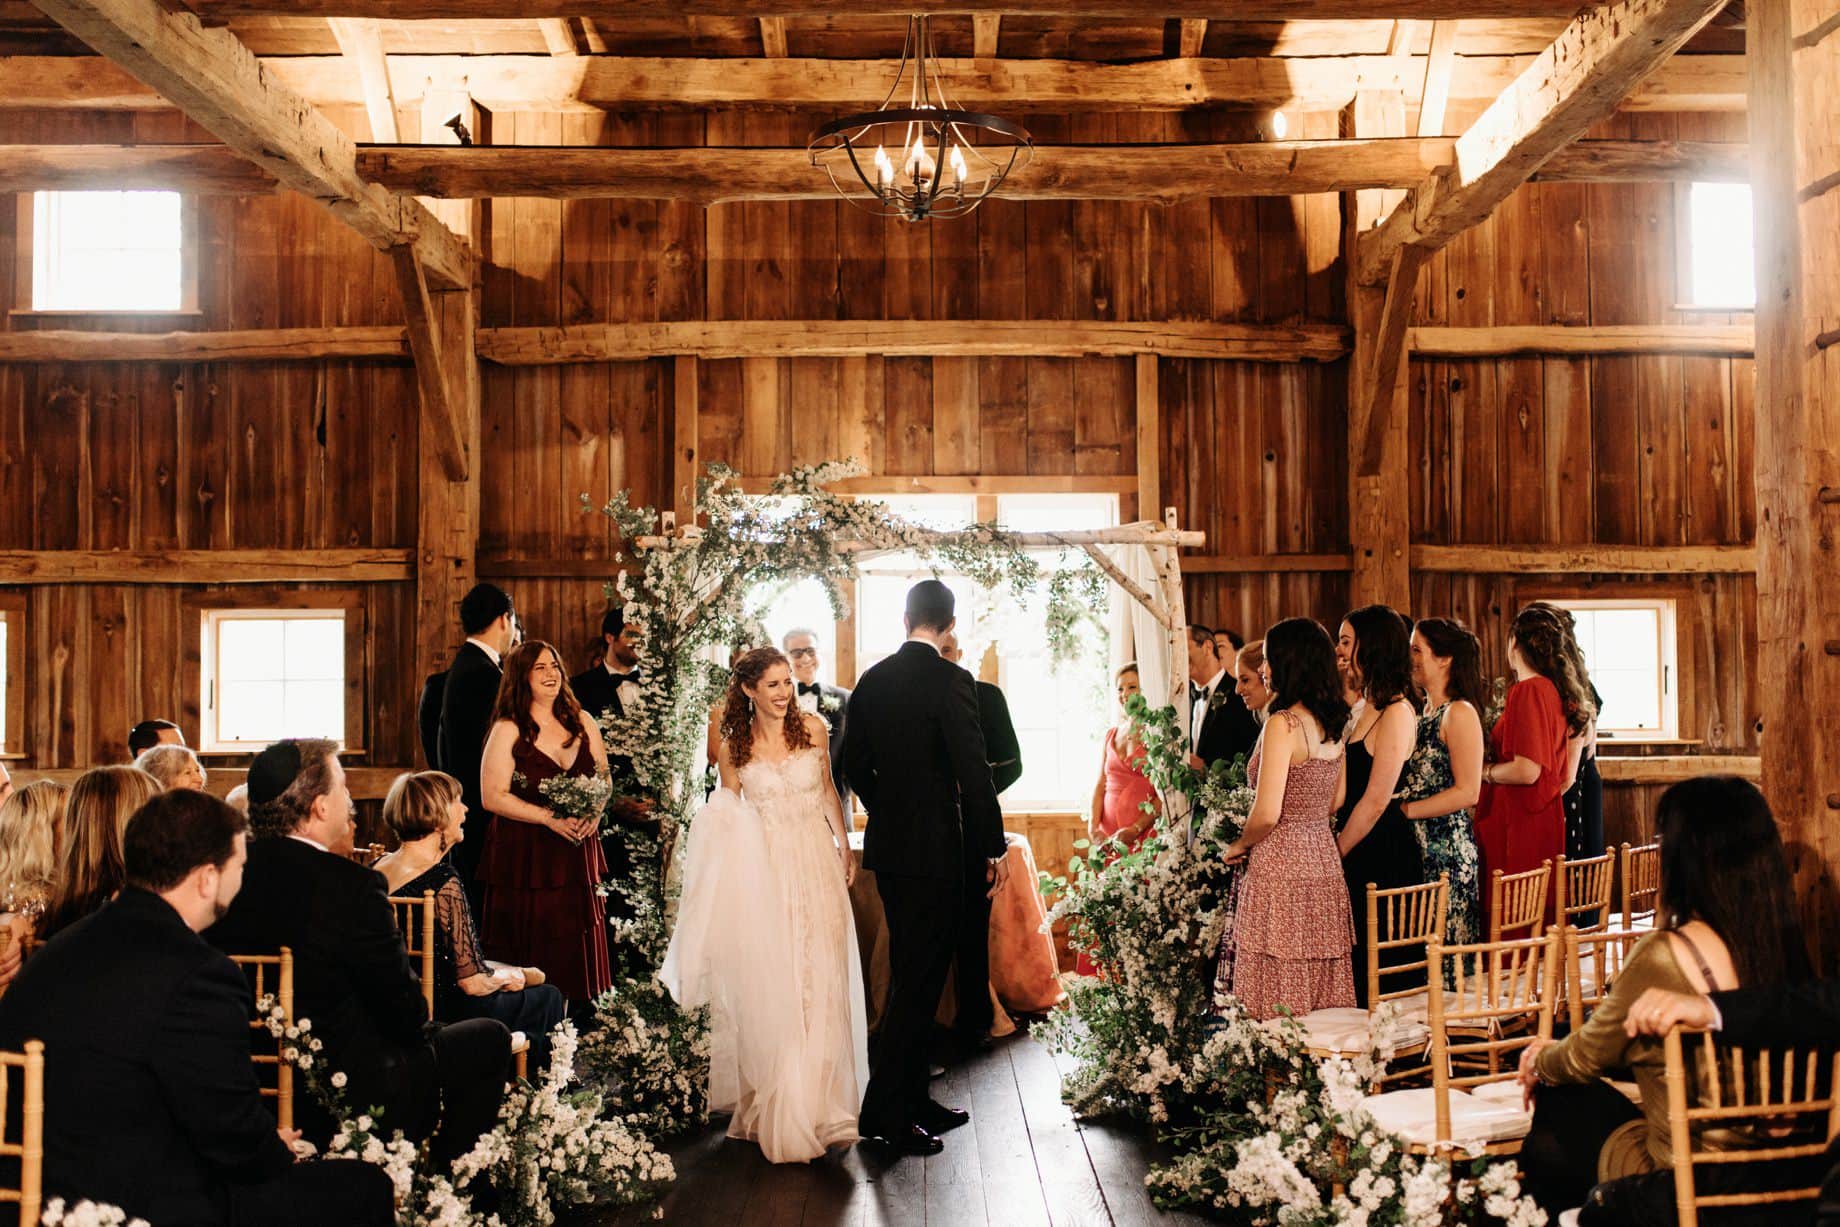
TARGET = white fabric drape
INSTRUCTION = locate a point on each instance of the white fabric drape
(1136, 634)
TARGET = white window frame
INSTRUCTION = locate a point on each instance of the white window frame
(1683, 256)
(211, 620)
(1668, 647)
(30, 259)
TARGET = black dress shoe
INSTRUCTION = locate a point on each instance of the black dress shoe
(912, 1140)
(936, 1118)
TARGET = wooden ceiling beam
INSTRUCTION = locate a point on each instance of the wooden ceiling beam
(202, 170)
(383, 342)
(1057, 172)
(1597, 62)
(618, 10)
(214, 79)
(910, 338)
(531, 82)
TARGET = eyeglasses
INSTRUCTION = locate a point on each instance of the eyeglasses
(803, 653)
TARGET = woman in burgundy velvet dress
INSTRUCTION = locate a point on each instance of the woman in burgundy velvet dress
(541, 870)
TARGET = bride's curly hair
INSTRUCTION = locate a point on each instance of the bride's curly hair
(738, 712)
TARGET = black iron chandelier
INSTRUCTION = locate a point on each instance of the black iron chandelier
(925, 159)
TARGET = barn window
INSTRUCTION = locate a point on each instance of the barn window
(1718, 262)
(272, 673)
(108, 251)
(1629, 647)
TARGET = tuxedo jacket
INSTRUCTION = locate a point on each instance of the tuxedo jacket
(1228, 730)
(151, 1102)
(914, 752)
(838, 719)
(351, 974)
(999, 736)
(598, 692)
(428, 717)
(466, 716)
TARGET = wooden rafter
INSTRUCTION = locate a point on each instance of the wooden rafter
(359, 41)
(201, 170)
(439, 414)
(617, 10)
(1057, 172)
(1599, 59)
(1389, 354)
(558, 35)
(214, 79)
(773, 37)
(547, 83)
(1440, 62)
(1193, 35)
(985, 33)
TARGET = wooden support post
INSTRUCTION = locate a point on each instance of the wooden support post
(558, 35)
(1194, 34)
(1379, 502)
(447, 509)
(361, 44)
(984, 33)
(1149, 437)
(1793, 81)
(684, 466)
(1435, 100)
(441, 420)
(773, 37)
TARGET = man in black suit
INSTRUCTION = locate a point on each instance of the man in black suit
(1220, 727)
(467, 698)
(151, 1102)
(150, 733)
(915, 755)
(604, 692)
(351, 974)
(971, 977)
(1775, 1016)
(829, 703)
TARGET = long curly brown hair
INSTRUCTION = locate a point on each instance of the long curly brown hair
(1543, 643)
(515, 695)
(738, 711)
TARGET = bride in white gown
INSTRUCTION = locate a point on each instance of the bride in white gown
(765, 936)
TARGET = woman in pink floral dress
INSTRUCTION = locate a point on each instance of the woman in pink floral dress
(1293, 931)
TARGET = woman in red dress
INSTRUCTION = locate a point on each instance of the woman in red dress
(1119, 796)
(541, 870)
(1520, 820)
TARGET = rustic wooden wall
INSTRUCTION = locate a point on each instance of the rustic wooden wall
(1639, 450)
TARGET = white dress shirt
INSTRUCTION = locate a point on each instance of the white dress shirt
(490, 651)
(1197, 711)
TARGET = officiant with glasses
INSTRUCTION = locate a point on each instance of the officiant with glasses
(828, 703)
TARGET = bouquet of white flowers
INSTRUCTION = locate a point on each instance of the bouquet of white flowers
(578, 796)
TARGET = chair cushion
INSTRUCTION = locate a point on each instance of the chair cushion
(1346, 1030)
(1475, 1119)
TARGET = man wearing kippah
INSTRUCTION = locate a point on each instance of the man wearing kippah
(352, 977)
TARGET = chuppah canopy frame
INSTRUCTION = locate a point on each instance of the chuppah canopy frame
(1162, 539)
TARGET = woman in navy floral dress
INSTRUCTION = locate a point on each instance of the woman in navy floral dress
(1443, 775)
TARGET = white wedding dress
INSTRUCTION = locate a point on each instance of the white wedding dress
(765, 938)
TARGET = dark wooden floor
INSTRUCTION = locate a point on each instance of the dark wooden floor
(1023, 1161)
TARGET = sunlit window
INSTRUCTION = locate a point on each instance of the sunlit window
(270, 674)
(1629, 647)
(1719, 260)
(107, 251)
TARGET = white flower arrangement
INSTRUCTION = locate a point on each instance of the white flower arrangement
(653, 1053)
(86, 1214)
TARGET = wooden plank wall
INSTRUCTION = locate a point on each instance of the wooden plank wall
(1651, 451)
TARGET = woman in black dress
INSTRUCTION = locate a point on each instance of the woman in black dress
(1377, 844)
(425, 812)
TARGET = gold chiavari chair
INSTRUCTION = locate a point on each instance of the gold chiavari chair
(1409, 917)
(415, 920)
(1593, 961)
(1492, 986)
(1583, 891)
(273, 974)
(30, 1148)
(368, 854)
(1518, 901)
(1788, 1097)
(1641, 886)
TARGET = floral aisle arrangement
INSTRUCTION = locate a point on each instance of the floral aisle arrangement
(551, 1147)
(652, 1055)
(1263, 1133)
(87, 1214)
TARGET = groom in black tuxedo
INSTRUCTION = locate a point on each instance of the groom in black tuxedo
(914, 753)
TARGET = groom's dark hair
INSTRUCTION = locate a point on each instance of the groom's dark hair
(930, 606)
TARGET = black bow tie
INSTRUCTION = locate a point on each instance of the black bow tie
(813, 688)
(633, 676)
(1196, 694)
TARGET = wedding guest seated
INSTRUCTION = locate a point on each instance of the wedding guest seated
(238, 799)
(425, 812)
(89, 867)
(351, 974)
(31, 832)
(150, 733)
(173, 766)
(1726, 917)
(151, 1102)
